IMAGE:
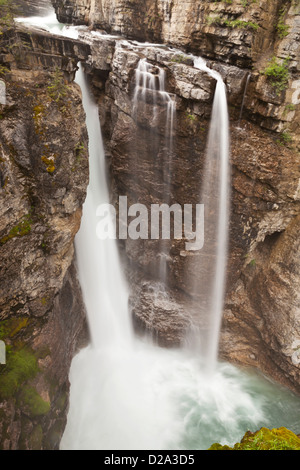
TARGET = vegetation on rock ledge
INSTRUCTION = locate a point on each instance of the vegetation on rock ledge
(7, 13)
(278, 74)
(265, 439)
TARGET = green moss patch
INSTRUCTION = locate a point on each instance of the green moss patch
(21, 366)
(265, 439)
(278, 74)
(11, 327)
(33, 403)
(20, 230)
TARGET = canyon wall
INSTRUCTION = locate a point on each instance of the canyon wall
(43, 181)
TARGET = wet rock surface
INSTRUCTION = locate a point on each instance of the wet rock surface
(44, 176)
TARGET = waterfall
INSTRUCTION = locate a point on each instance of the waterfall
(209, 286)
(150, 87)
(101, 275)
(150, 82)
(126, 393)
(244, 97)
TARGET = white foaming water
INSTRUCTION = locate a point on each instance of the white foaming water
(128, 394)
(50, 24)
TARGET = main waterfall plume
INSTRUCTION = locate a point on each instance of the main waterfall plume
(100, 272)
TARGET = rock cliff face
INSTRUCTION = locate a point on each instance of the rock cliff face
(43, 175)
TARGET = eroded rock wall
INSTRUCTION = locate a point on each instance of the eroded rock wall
(44, 176)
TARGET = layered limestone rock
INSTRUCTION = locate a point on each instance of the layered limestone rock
(40, 50)
(43, 176)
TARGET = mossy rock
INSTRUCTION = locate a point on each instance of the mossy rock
(20, 230)
(32, 403)
(265, 439)
(21, 366)
(11, 327)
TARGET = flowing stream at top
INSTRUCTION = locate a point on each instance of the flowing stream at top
(129, 394)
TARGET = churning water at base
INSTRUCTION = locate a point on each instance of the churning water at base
(148, 398)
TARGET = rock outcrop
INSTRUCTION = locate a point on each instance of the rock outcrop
(44, 176)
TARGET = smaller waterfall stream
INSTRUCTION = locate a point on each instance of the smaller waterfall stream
(150, 80)
(209, 287)
(150, 86)
(244, 98)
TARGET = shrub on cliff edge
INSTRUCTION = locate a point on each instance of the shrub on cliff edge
(265, 439)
